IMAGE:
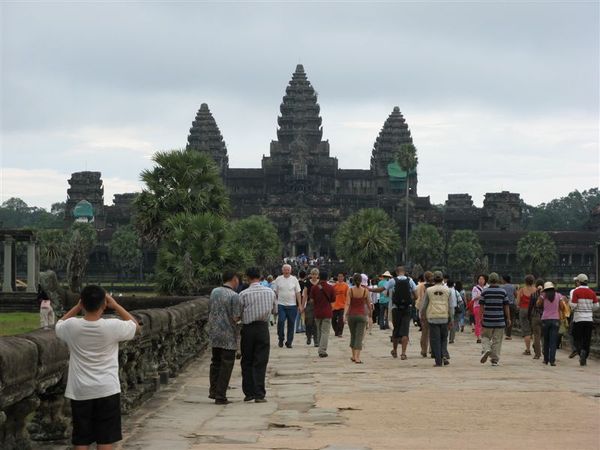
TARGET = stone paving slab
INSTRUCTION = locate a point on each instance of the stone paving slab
(333, 404)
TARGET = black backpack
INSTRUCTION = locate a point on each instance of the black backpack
(402, 296)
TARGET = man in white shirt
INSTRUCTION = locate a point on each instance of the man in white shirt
(287, 289)
(93, 381)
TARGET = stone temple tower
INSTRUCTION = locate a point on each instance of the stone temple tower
(205, 136)
(386, 172)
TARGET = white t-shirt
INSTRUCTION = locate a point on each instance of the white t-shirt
(286, 289)
(94, 355)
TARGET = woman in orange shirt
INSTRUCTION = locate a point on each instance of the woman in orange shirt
(341, 290)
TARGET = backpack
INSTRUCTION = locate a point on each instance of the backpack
(402, 296)
(460, 303)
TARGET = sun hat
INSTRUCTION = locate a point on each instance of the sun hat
(548, 285)
(387, 274)
(582, 278)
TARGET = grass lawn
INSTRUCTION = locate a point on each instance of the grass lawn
(18, 322)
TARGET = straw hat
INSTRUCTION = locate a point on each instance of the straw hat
(548, 285)
(387, 274)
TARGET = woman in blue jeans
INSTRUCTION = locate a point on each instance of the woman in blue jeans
(554, 306)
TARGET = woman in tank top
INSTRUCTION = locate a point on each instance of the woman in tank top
(357, 309)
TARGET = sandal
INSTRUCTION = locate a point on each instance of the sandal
(394, 353)
(403, 356)
(352, 359)
(358, 362)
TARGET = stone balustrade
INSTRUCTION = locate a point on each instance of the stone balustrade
(33, 371)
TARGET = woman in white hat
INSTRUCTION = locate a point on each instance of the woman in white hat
(554, 306)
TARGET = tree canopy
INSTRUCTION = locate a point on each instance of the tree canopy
(183, 181)
(570, 213)
(124, 250)
(368, 241)
(253, 242)
(463, 250)
(426, 246)
(82, 237)
(15, 213)
(536, 253)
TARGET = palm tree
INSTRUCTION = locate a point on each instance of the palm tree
(183, 181)
(368, 241)
(406, 157)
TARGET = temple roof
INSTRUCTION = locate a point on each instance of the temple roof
(205, 136)
(300, 117)
(393, 133)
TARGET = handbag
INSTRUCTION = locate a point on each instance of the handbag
(563, 327)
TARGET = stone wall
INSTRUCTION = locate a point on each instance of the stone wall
(33, 371)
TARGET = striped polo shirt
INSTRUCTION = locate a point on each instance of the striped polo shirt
(493, 299)
(257, 303)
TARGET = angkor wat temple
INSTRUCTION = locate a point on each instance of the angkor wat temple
(302, 189)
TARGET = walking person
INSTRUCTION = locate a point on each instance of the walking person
(257, 303)
(287, 290)
(475, 295)
(224, 313)
(420, 292)
(340, 289)
(356, 310)
(300, 328)
(374, 300)
(523, 300)
(323, 296)
(553, 303)
(535, 318)
(510, 294)
(401, 290)
(494, 317)
(384, 301)
(436, 310)
(583, 303)
(93, 377)
(455, 307)
(308, 307)
(461, 311)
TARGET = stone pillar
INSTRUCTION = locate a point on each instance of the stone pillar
(7, 280)
(31, 266)
(37, 264)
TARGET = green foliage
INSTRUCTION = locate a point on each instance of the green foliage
(463, 250)
(368, 241)
(15, 213)
(426, 246)
(82, 237)
(192, 253)
(253, 242)
(183, 181)
(570, 213)
(54, 248)
(406, 156)
(536, 253)
(124, 250)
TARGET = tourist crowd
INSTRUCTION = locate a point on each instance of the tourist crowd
(314, 304)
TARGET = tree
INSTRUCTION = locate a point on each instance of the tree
(426, 246)
(536, 253)
(58, 209)
(407, 160)
(124, 250)
(15, 213)
(82, 237)
(16, 204)
(183, 181)
(253, 241)
(53, 249)
(482, 266)
(566, 213)
(463, 250)
(191, 253)
(368, 241)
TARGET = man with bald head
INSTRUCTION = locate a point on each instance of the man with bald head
(287, 289)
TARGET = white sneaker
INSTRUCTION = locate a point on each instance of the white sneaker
(495, 363)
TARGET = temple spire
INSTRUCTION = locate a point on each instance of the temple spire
(299, 120)
(205, 136)
(393, 133)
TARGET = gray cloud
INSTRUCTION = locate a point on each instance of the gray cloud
(103, 85)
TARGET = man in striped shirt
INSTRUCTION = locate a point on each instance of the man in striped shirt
(583, 303)
(257, 304)
(495, 316)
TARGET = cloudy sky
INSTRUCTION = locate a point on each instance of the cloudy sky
(498, 96)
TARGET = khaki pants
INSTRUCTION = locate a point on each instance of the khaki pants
(491, 339)
(46, 317)
(536, 331)
(323, 327)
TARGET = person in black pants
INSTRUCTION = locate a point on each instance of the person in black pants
(257, 303)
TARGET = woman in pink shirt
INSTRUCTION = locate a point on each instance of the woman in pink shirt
(553, 304)
(475, 295)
